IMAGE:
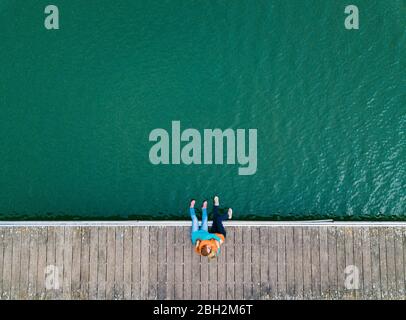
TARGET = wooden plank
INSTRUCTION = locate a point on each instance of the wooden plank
(84, 263)
(16, 259)
(162, 272)
(341, 263)
(25, 260)
(127, 269)
(399, 263)
(255, 263)
(170, 258)
(136, 264)
(247, 251)
(212, 266)
(290, 262)
(59, 253)
(307, 264)
(53, 270)
(76, 252)
(118, 291)
(102, 263)
(187, 267)
(366, 264)
(264, 257)
(238, 267)
(144, 257)
(64, 260)
(298, 252)
(196, 275)
(42, 254)
(230, 255)
(332, 262)
(383, 263)
(315, 262)
(390, 263)
(2, 244)
(204, 278)
(111, 262)
(93, 262)
(178, 263)
(7, 260)
(153, 263)
(222, 269)
(404, 256)
(174, 283)
(282, 289)
(357, 238)
(349, 259)
(273, 262)
(33, 263)
(324, 280)
(375, 263)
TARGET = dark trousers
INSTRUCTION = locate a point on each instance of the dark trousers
(218, 219)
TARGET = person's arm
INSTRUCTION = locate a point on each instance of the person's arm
(197, 246)
(218, 246)
(220, 238)
(215, 237)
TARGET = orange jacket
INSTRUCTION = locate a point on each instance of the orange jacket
(211, 243)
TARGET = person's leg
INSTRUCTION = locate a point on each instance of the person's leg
(216, 214)
(205, 217)
(217, 226)
(215, 210)
(218, 218)
(195, 221)
(216, 206)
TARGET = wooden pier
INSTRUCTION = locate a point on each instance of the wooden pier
(114, 261)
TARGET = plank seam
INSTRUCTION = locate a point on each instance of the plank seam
(379, 266)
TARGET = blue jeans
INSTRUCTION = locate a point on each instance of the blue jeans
(195, 221)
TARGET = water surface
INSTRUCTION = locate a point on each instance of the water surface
(77, 106)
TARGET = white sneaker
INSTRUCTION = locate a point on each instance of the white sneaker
(230, 213)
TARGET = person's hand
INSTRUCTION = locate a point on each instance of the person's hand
(197, 243)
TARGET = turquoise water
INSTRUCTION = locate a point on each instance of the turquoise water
(77, 106)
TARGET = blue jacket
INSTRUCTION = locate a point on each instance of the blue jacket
(203, 235)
